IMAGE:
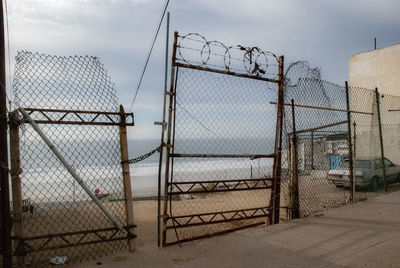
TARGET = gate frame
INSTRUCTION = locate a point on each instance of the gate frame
(125, 119)
(272, 209)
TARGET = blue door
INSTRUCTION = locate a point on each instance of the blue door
(335, 161)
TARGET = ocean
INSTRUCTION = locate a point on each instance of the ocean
(45, 179)
(144, 175)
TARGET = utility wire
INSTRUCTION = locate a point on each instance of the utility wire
(150, 51)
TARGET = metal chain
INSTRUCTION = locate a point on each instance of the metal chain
(144, 156)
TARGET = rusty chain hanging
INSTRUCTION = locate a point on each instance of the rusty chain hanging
(144, 156)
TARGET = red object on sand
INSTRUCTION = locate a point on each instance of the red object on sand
(96, 191)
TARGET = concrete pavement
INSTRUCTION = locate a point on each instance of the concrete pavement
(366, 234)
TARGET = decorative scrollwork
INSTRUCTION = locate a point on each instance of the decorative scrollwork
(195, 49)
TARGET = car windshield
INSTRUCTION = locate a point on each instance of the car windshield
(361, 164)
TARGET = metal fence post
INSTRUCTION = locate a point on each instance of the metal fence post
(312, 150)
(351, 170)
(354, 152)
(123, 139)
(168, 143)
(290, 165)
(277, 172)
(162, 135)
(4, 180)
(295, 185)
(378, 107)
(16, 185)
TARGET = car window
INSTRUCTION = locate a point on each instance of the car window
(377, 163)
(363, 164)
(388, 162)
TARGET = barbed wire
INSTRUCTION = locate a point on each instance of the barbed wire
(195, 49)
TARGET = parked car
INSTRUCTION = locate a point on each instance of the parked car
(369, 173)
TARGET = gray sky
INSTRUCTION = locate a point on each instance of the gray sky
(326, 33)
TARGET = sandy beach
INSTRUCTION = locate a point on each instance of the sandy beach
(317, 194)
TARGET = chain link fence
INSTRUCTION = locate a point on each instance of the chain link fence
(59, 218)
(316, 160)
(221, 146)
(222, 139)
(212, 118)
(316, 140)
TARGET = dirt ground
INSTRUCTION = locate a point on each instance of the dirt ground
(317, 194)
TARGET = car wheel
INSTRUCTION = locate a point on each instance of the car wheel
(373, 186)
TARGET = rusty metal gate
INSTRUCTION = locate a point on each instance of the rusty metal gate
(71, 199)
(223, 140)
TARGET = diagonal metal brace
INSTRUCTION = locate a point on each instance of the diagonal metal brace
(72, 171)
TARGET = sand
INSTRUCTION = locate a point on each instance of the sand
(317, 194)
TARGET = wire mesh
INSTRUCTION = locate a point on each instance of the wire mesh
(53, 202)
(321, 137)
(219, 114)
(322, 152)
(390, 111)
(390, 118)
(220, 123)
(366, 139)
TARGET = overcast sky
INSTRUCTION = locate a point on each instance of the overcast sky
(326, 33)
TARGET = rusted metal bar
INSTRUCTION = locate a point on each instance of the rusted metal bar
(129, 118)
(163, 124)
(41, 122)
(290, 164)
(185, 221)
(173, 151)
(328, 131)
(395, 110)
(263, 209)
(312, 150)
(352, 177)
(206, 69)
(322, 108)
(6, 223)
(320, 127)
(123, 139)
(194, 224)
(16, 183)
(295, 169)
(220, 186)
(216, 233)
(80, 234)
(31, 110)
(168, 143)
(277, 169)
(72, 171)
(211, 181)
(354, 151)
(41, 237)
(378, 107)
(251, 156)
